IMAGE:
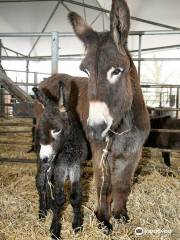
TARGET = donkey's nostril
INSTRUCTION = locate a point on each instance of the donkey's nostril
(96, 131)
(102, 127)
(45, 160)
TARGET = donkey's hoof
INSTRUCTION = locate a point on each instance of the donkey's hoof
(54, 237)
(106, 227)
(55, 232)
(122, 218)
(42, 215)
(77, 227)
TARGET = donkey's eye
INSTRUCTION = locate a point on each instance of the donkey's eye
(113, 74)
(117, 71)
(55, 132)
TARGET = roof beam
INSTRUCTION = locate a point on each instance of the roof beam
(97, 9)
(71, 34)
(13, 51)
(133, 18)
(157, 48)
(154, 23)
(45, 26)
(82, 55)
(71, 58)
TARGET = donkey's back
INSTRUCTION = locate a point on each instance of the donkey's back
(78, 94)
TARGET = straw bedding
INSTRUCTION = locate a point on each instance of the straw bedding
(153, 203)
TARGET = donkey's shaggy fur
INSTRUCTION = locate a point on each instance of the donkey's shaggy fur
(60, 132)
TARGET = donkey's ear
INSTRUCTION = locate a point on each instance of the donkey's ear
(40, 95)
(119, 22)
(64, 95)
(84, 32)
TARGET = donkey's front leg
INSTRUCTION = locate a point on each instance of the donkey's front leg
(76, 198)
(122, 174)
(103, 185)
(41, 187)
(57, 205)
(59, 199)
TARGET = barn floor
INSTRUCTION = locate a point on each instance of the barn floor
(153, 203)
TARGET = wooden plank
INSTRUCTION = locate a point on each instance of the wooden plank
(162, 149)
(166, 109)
(13, 148)
(15, 132)
(163, 130)
(13, 124)
(159, 117)
(159, 86)
(15, 143)
(87, 163)
(17, 160)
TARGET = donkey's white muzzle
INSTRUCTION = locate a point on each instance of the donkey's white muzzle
(99, 120)
(46, 153)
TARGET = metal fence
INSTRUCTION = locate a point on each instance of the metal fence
(165, 97)
(55, 39)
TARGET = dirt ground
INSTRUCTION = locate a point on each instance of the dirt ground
(153, 205)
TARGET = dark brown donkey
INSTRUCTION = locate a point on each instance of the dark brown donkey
(60, 157)
(117, 111)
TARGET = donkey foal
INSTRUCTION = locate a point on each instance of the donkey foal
(62, 148)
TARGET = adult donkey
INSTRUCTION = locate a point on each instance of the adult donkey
(117, 111)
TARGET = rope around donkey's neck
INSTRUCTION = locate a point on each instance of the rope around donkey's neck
(102, 165)
(120, 134)
(50, 183)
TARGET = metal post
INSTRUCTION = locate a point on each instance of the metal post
(2, 109)
(160, 104)
(139, 56)
(27, 75)
(177, 101)
(35, 79)
(0, 50)
(84, 8)
(170, 97)
(54, 52)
